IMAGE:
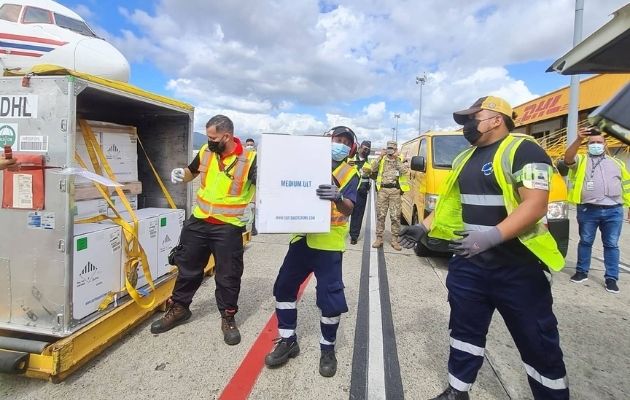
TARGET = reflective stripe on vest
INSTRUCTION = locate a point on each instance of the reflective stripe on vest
(448, 211)
(335, 240)
(228, 198)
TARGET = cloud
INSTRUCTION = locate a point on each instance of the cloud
(289, 66)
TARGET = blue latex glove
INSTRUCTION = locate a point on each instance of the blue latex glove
(475, 242)
(329, 192)
(410, 235)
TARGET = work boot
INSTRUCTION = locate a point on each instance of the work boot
(285, 348)
(175, 315)
(231, 335)
(395, 244)
(328, 363)
(378, 242)
(353, 241)
(452, 394)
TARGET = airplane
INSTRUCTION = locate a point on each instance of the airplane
(45, 32)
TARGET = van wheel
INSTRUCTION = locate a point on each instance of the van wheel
(421, 250)
(403, 221)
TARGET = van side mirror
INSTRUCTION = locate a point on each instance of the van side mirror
(563, 170)
(418, 163)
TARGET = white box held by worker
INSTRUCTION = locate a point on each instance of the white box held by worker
(290, 168)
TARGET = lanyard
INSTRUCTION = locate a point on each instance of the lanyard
(596, 165)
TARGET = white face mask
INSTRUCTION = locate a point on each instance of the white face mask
(596, 149)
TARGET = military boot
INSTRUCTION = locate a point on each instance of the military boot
(395, 244)
(452, 394)
(285, 348)
(231, 335)
(175, 315)
(328, 363)
(378, 242)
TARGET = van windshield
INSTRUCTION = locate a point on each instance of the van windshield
(446, 148)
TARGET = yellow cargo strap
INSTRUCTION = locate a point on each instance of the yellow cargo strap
(134, 251)
(167, 195)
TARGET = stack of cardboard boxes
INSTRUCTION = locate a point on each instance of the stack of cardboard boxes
(99, 256)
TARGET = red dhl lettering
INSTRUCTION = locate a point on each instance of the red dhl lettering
(544, 107)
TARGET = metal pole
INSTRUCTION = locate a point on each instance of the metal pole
(397, 116)
(393, 133)
(421, 80)
(574, 90)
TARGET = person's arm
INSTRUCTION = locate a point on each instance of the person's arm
(192, 170)
(532, 208)
(569, 155)
(253, 171)
(4, 163)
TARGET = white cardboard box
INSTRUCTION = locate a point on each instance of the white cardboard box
(170, 226)
(290, 168)
(121, 151)
(148, 235)
(92, 208)
(96, 266)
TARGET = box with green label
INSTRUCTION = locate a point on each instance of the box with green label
(96, 266)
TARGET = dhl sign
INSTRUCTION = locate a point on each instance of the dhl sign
(543, 108)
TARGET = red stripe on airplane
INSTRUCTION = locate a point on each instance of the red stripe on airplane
(31, 39)
(20, 53)
(243, 381)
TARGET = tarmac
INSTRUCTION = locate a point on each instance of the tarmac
(393, 343)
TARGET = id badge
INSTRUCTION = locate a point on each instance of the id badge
(397, 173)
(590, 185)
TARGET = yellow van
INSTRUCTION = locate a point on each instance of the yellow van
(431, 156)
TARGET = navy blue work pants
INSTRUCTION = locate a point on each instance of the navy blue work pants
(356, 219)
(522, 295)
(299, 262)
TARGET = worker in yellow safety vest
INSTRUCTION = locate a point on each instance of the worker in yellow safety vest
(228, 176)
(599, 186)
(321, 254)
(359, 161)
(491, 209)
(392, 181)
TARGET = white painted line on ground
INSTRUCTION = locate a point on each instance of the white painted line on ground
(376, 361)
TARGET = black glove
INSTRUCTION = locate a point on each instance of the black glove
(329, 192)
(410, 235)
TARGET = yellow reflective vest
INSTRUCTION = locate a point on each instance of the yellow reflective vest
(403, 181)
(335, 240)
(224, 195)
(577, 174)
(448, 210)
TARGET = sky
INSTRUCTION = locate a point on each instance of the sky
(302, 67)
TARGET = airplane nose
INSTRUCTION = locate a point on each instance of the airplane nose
(97, 57)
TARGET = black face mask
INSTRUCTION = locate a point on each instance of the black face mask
(216, 147)
(471, 131)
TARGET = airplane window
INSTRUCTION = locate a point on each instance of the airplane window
(10, 12)
(34, 15)
(73, 24)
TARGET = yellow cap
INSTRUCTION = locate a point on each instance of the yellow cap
(492, 103)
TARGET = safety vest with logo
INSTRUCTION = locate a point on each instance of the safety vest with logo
(448, 210)
(577, 175)
(224, 194)
(335, 240)
(403, 181)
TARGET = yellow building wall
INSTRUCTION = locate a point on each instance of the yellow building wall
(594, 92)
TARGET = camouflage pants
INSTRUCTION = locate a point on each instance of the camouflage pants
(388, 199)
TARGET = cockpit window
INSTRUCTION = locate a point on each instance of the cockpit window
(34, 15)
(10, 12)
(73, 24)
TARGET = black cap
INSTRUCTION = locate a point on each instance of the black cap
(367, 144)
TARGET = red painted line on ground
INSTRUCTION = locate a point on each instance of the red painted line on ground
(35, 39)
(244, 379)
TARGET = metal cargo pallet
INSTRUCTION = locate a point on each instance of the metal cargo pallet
(34, 357)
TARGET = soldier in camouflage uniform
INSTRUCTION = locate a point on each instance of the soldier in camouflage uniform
(391, 181)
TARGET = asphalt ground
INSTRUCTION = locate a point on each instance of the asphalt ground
(405, 294)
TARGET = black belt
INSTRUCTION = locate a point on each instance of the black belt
(390, 185)
(601, 205)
